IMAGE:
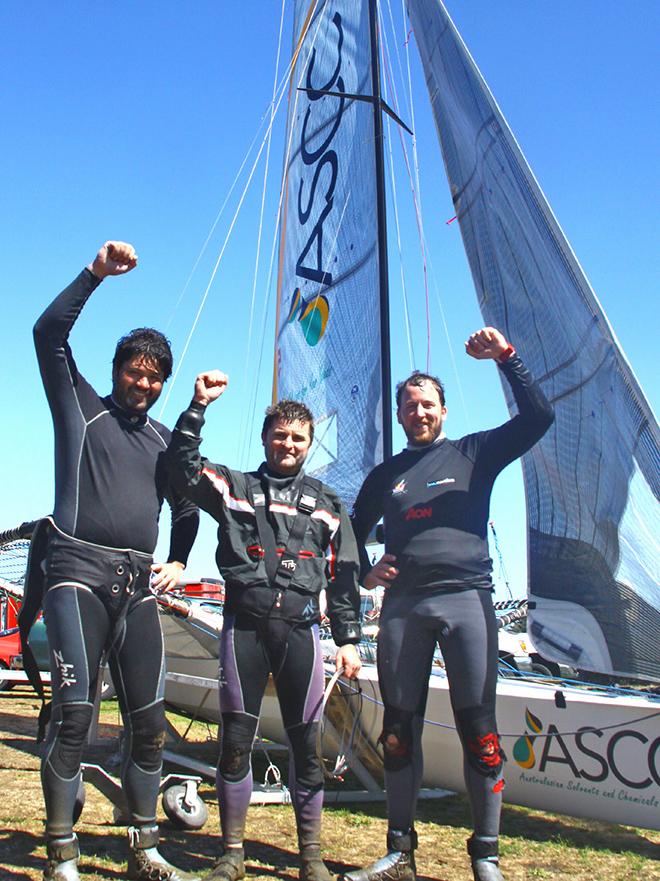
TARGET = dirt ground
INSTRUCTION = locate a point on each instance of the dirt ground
(534, 845)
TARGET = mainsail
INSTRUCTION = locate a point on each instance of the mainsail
(327, 350)
(592, 484)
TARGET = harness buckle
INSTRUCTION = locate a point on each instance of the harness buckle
(306, 504)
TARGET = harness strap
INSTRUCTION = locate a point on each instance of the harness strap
(33, 592)
(280, 571)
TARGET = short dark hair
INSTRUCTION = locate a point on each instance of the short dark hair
(418, 378)
(288, 411)
(147, 343)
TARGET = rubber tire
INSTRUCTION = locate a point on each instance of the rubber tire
(108, 690)
(179, 813)
(542, 670)
(5, 684)
(507, 667)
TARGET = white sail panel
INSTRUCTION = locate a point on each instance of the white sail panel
(594, 478)
(327, 349)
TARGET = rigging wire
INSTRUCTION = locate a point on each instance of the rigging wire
(503, 573)
(345, 746)
(232, 187)
(417, 202)
(282, 91)
(214, 272)
(404, 290)
(418, 218)
(448, 726)
(406, 306)
(450, 347)
(248, 347)
(252, 405)
(213, 226)
(412, 106)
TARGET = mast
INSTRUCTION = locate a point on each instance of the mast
(386, 373)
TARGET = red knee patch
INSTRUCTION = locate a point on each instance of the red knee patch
(487, 749)
(393, 746)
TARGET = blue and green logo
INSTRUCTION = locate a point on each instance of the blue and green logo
(523, 749)
(312, 315)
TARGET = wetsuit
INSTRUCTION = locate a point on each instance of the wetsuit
(434, 501)
(110, 481)
(267, 630)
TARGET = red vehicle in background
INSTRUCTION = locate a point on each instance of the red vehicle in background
(10, 641)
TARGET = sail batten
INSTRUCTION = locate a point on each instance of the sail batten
(592, 482)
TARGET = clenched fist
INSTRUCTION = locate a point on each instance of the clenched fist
(487, 343)
(114, 258)
(209, 386)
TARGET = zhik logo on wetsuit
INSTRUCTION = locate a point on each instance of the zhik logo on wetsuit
(309, 611)
(66, 670)
(441, 482)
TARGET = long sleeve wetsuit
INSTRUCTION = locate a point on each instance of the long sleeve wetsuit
(110, 481)
(110, 470)
(266, 632)
(434, 501)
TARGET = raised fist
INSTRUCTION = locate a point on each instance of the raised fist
(114, 258)
(209, 386)
(487, 343)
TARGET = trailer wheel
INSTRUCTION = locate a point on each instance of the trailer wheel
(541, 670)
(184, 807)
(108, 690)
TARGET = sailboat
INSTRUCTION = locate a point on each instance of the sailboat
(591, 484)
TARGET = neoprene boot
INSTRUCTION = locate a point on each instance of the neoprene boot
(144, 861)
(398, 865)
(312, 867)
(230, 866)
(62, 862)
(484, 854)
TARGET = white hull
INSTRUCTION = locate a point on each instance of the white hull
(602, 760)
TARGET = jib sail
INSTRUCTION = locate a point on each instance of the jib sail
(592, 483)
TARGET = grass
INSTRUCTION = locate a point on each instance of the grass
(535, 846)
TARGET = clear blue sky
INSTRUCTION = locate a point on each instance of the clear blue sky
(131, 120)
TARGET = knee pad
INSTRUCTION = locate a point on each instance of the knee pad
(477, 727)
(71, 722)
(308, 771)
(238, 732)
(396, 738)
(148, 737)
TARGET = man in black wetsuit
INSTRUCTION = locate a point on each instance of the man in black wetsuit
(110, 481)
(283, 537)
(434, 498)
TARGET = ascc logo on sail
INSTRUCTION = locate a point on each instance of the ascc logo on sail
(316, 200)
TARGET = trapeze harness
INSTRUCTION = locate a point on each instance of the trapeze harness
(285, 642)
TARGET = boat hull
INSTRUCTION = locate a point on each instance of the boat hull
(570, 750)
